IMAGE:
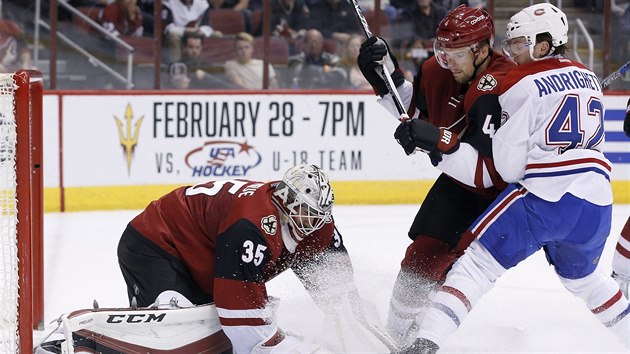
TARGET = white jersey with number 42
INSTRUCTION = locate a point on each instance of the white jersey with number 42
(552, 131)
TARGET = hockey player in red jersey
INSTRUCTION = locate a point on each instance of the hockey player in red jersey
(621, 258)
(559, 198)
(454, 109)
(221, 241)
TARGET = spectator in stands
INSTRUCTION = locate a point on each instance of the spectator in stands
(315, 68)
(335, 19)
(424, 17)
(190, 72)
(14, 54)
(123, 18)
(289, 18)
(350, 52)
(244, 71)
(184, 16)
(414, 56)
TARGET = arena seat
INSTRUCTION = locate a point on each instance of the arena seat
(227, 21)
(278, 52)
(93, 12)
(217, 50)
(143, 50)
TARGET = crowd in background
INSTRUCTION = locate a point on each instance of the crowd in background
(217, 44)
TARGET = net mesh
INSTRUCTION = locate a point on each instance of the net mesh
(8, 218)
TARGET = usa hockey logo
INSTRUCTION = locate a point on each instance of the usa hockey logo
(269, 224)
(223, 158)
(487, 83)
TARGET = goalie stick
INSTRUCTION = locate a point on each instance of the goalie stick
(376, 331)
(615, 75)
(384, 73)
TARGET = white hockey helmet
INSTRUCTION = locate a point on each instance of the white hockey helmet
(305, 196)
(534, 20)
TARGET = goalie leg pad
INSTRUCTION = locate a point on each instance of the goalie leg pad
(143, 330)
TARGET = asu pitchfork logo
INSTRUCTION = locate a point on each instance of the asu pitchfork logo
(128, 134)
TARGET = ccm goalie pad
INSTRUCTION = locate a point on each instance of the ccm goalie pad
(171, 325)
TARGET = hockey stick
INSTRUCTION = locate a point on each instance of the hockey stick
(614, 76)
(379, 333)
(384, 73)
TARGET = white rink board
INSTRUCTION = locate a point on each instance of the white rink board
(349, 135)
(191, 138)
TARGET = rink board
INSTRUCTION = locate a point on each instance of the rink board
(122, 149)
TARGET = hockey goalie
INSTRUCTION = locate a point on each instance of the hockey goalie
(196, 263)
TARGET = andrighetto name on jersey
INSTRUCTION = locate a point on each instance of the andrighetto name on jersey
(569, 80)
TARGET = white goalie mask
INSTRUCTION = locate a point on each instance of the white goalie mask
(305, 196)
(531, 21)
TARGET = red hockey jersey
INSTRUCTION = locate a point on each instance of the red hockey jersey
(229, 235)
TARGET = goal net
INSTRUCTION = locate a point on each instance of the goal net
(20, 210)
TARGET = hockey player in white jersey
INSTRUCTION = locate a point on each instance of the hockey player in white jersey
(559, 198)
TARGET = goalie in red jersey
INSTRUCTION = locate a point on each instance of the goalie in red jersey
(221, 241)
(453, 103)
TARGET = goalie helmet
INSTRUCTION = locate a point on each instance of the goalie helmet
(463, 27)
(305, 196)
(534, 20)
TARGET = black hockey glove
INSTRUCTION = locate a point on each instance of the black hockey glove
(375, 52)
(626, 121)
(417, 133)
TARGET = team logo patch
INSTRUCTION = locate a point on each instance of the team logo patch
(504, 117)
(487, 83)
(269, 224)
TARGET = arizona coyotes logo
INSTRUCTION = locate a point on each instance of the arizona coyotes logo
(487, 83)
(269, 224)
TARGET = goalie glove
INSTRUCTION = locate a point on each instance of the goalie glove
(417, 133)
(626, 121)
(373, 54)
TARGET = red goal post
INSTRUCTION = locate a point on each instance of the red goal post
(21, 215)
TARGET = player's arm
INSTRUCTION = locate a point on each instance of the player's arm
(510, 143)
(328, 274)
(473, 163)
(245, 311)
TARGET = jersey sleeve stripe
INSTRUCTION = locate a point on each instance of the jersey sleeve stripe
(242, 321)
(568, 167)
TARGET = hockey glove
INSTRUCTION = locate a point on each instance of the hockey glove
(375, 52)
(417, 133)
(626, 122)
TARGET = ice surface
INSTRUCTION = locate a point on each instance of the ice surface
(528, 311)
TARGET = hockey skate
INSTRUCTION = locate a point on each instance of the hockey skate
(623, 281)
